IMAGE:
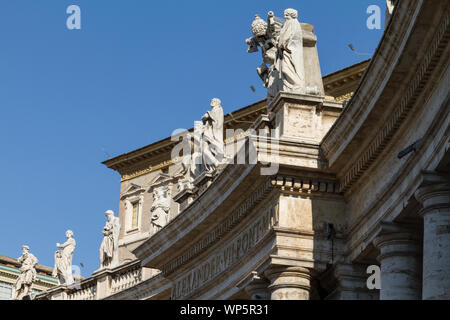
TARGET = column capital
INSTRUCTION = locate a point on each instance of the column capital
(289, 283)
(394, 239)
(434, 192)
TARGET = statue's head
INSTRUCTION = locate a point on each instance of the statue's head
(69, 233)
(25, 249)
(109, 214)
(290, 14)
(216, 102)
(259, 27)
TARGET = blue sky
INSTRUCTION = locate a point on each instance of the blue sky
(137, 70)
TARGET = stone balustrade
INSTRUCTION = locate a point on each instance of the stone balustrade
(88, 291)
(126, 278)
(102, 284)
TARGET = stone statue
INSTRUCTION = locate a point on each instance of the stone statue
(63, 260)
(290, 50)
(27, 276)
(192, 164)
(282, 49)
(266, 37)
(109, 249)
(212, 138)
(160, 208)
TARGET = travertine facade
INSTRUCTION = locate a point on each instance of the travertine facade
(356, 174)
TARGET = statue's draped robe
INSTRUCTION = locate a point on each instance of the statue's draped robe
(109, 246)
(63, 260)
(28, 272)
(160, 209)
(290, 62)
(213, 134)
(27, 275)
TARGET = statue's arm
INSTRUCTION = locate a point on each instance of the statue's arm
(252, 45)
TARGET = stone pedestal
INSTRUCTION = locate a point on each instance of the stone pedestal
(103, 283)
(288, 283)
(435, 198)
(305, 118)
(400, 259)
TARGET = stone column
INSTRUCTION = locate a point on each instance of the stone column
(288, 283)
(435, 198)
(400, 259)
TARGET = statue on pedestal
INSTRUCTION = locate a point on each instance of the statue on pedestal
(63, 260)
(265, 36)
(212, 138)
(282, 50)
(290, 54)
(27, 276)
(109, 249)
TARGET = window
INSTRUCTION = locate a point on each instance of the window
(5, 291)
(134, 217)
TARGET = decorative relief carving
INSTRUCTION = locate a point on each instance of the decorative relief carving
(226, 256)
(160, 208)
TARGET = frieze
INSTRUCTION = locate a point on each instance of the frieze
(150, 169)
(221, 230)
(225, 257)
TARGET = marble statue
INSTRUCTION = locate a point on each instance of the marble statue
(160, 208)
(63, 260)
(282, 50)
(265, 36)
(109, 249)
(290, 49)
(22, 287)
(212, 138)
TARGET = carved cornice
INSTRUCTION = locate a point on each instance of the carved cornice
(377, 71)
(305, 185)
(400, 113)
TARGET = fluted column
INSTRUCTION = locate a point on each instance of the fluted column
(435, 197)
(289, 283)
(400, 262)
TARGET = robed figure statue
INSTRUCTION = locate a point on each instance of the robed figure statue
(109, 249)
(63, 260)
(212, 138)
(22, 287)
(290, 50)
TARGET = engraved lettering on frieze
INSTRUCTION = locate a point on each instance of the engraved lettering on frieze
(225, 257)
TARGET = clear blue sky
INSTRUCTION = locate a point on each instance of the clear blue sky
(136, 71)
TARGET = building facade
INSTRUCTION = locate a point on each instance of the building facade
(350, 178)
